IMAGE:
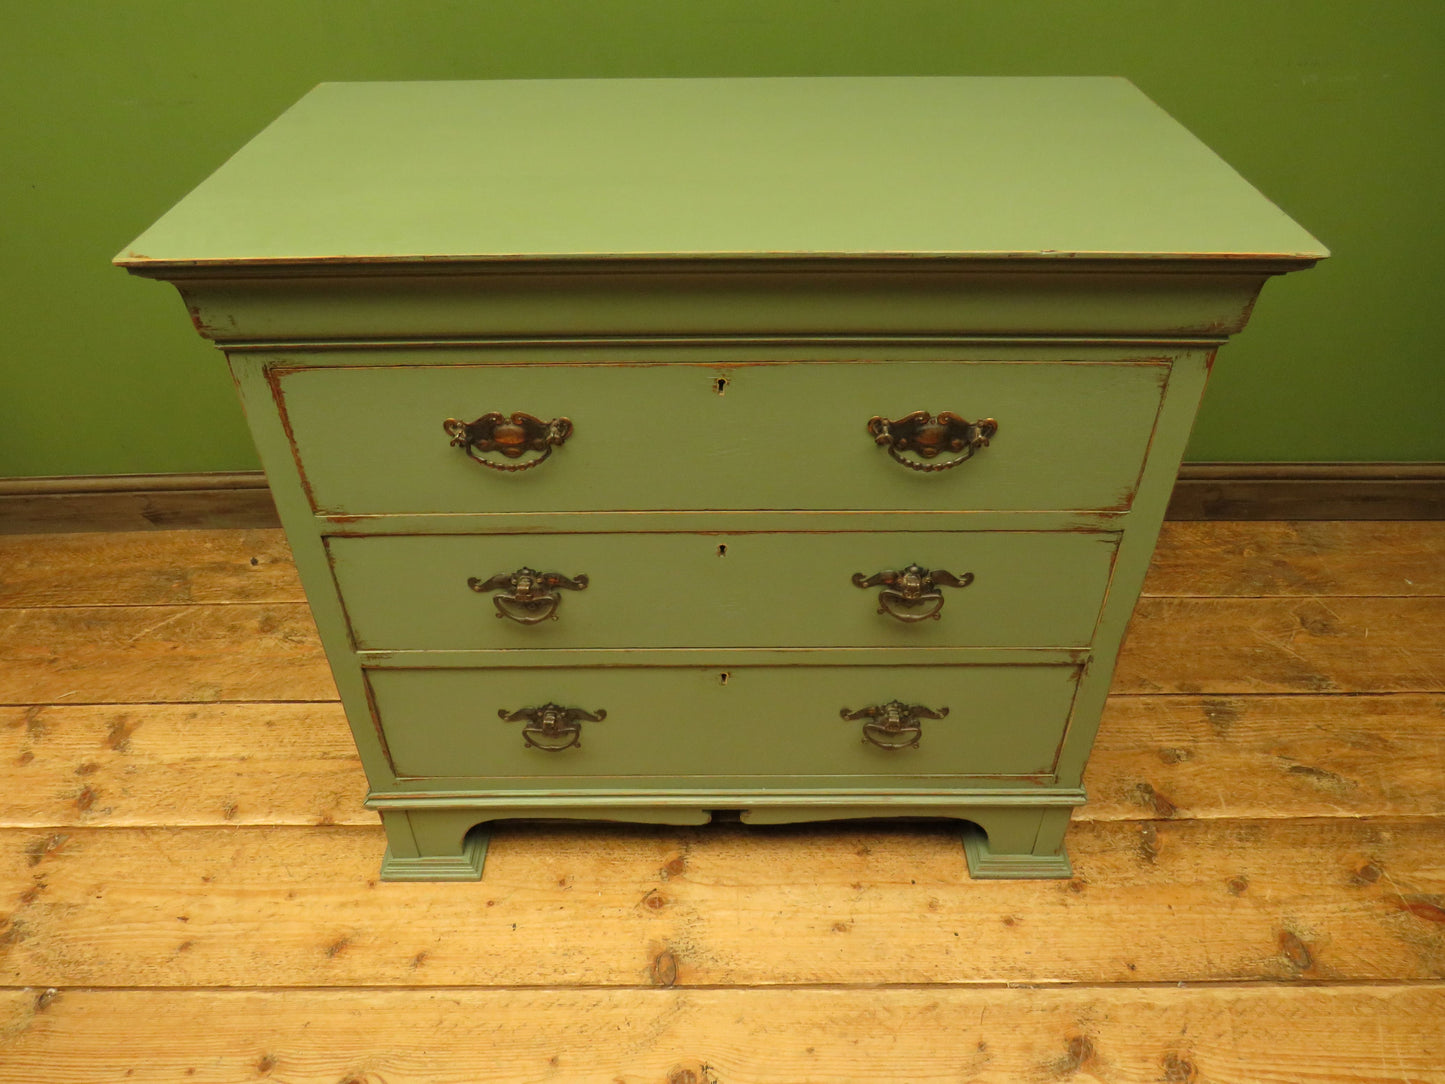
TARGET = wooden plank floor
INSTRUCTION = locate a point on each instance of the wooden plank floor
(188, 881)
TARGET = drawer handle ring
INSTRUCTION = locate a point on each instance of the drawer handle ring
(551, 727)
(894, 725)
(925, 435)
(528, 597)
(512, 435)
(906, 592)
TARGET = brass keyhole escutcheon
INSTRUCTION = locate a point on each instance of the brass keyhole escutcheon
(527, 596)
(911, 594)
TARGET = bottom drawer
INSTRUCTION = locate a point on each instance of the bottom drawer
(682, 725)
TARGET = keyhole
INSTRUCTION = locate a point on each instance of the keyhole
(720, 385)
(722, 678)
(722, 551)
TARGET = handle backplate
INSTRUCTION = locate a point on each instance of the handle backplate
(551, 727)
(894, 725)
(925, 435)
(527, 596)
(510, 435)
(912, 593)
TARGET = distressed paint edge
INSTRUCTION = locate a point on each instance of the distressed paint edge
(242, 500)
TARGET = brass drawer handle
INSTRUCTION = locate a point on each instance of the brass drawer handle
(552, 727)
(894, 725)
(923, 434)
(511, 435)
(528, 596)
(907, 589)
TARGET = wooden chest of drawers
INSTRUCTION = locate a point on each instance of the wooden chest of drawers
(654, 448)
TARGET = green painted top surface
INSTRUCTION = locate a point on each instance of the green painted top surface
(551, 169)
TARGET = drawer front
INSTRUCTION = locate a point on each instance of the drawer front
(761, 435)
(681, 725)
(786, 589)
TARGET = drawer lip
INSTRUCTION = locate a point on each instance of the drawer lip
(724, 521)
(404, 468)
(710, 657)
(714, 589)
(449, 722)
(724, 797)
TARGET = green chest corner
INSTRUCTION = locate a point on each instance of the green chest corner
(793, 447)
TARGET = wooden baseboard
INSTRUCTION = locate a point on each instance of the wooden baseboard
(240, 499)
(136, 502)
(1309, 491)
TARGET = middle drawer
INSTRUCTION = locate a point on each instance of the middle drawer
(1028, 589)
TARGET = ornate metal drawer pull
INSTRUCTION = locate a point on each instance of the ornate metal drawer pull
(904, 591)
(894, 725)
(552, 727)
(511, 435)
(528, 596)
(927, 436)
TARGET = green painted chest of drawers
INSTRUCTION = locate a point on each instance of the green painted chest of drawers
(654, 448)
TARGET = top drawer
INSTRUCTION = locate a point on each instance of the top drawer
(757, 435)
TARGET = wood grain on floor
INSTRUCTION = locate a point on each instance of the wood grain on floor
(188, 884)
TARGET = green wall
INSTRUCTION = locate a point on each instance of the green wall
(110, 111)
